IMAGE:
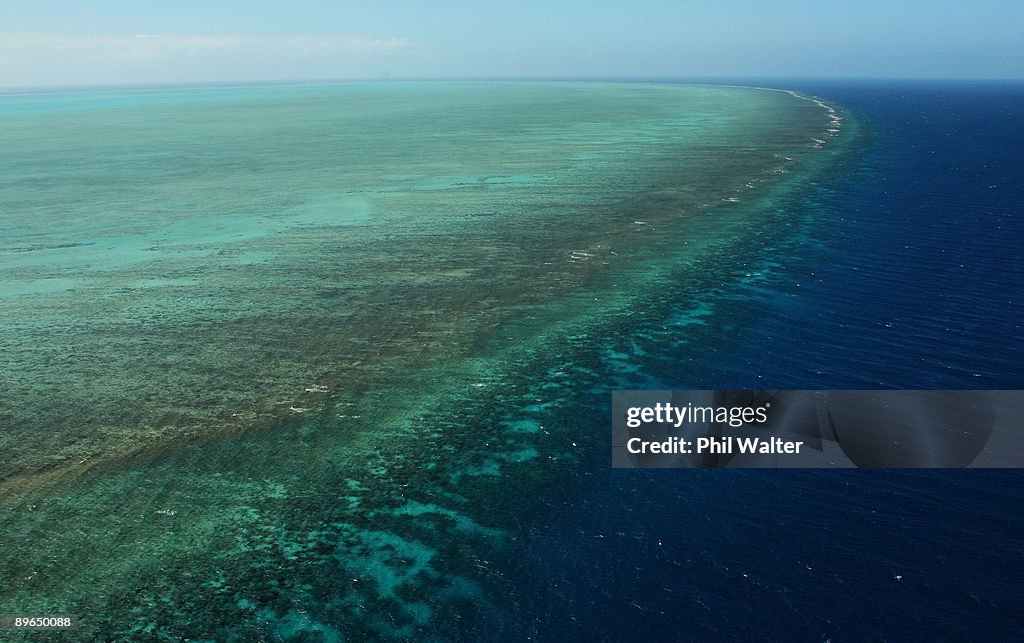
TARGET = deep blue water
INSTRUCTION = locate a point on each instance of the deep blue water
(904, 270)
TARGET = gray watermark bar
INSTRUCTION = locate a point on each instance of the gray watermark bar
(817, 429)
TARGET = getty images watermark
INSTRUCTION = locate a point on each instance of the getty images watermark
(799, 429)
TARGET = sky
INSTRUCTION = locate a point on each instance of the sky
(83, 42)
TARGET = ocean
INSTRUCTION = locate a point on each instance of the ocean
(334, 362)
(908, 275)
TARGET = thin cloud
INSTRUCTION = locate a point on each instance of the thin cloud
(144, 47)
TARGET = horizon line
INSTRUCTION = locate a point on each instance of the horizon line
(715, 79)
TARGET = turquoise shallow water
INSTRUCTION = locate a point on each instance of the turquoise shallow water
(275, 357)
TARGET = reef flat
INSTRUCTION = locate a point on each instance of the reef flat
(281, 361)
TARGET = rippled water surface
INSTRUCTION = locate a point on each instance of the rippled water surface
(332, 362)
